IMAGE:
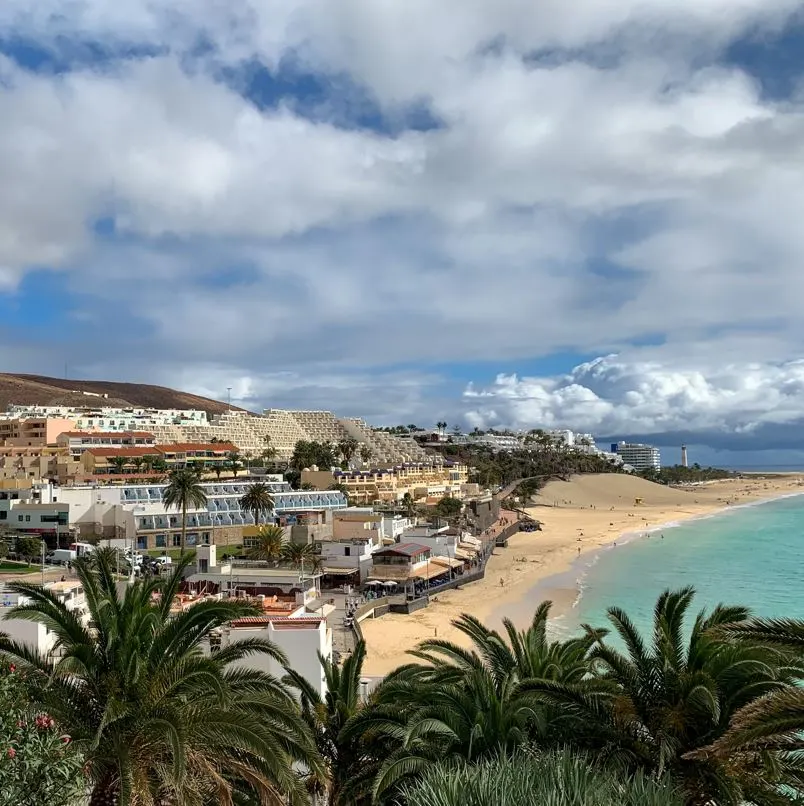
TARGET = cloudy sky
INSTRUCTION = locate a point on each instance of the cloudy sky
(493, 213)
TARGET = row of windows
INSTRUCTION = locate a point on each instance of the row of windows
(163, 541)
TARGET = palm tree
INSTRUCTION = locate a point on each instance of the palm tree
(183, 491)
(365, 454)
(349, 759)
(159, 465)
(159, 719)
(298, 554)
(408, 505)
(268, 545)
(656, 706)
(119, 463)
(269, 451)
(348, 447)
(471, 704)
(257, 500)
(137, 463)
(774, 722)
(233, 462)
(553, 779)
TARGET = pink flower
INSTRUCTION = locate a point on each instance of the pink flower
(11, 752)
(12, 668)
(66, 739)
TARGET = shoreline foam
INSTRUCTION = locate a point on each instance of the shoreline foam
(552, 584)
(544, 565)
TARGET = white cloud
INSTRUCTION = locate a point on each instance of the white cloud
(578, 202)
(613, 396)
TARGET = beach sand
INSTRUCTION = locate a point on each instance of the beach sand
(587, 512)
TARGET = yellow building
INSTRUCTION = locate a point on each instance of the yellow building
(391, 484)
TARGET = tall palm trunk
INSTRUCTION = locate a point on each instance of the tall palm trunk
(183, 527)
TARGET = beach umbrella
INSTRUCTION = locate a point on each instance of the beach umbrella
(373, 582)
(389, 584)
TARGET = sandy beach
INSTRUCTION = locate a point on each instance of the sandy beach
(585, 513)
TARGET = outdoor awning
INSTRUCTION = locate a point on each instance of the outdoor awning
(464, 555)
(339, 572)
(429, 571)
(447, 562)
(467, 548)
(472, 541)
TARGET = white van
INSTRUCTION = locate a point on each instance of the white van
(62, 556)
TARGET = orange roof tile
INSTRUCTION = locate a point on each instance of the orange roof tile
(104, 450)
(185, 447)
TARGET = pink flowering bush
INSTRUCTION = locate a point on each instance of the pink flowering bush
(39, 765)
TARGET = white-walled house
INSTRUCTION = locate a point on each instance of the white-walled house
(301, 639)
(32, 633)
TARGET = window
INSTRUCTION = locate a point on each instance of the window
(142, 542)
(27, 519)
(161, 541)
(347, 551)
(3, 515)
(20, 518)
(175, 540)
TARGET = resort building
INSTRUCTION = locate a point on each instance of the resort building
(36, 462)
(419, 480)
(109, 418)
(278, 429)
(497, 442)
(136, 512)
(32, 431)
(76, 442)
(108, 461)
(638, 456)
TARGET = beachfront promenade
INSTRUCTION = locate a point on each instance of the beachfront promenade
(347, 631)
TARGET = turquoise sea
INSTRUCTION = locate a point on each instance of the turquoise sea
(751, 555)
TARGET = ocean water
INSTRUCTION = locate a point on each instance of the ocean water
(749, 555)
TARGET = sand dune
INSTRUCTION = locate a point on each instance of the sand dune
(615, 489)
(579, 515)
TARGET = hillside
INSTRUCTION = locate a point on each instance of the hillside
(44, 391)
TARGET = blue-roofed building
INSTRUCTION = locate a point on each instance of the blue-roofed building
(136, 512)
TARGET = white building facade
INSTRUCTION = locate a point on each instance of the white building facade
(638, 455)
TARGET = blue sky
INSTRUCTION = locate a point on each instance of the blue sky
(509, 216)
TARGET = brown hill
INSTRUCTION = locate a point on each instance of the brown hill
(43, 391)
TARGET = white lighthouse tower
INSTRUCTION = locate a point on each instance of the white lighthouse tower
(683, 456)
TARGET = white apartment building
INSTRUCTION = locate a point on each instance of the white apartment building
(638, 455)
(498, 442)
(136, 513)
(110, 418)
(32, 633)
